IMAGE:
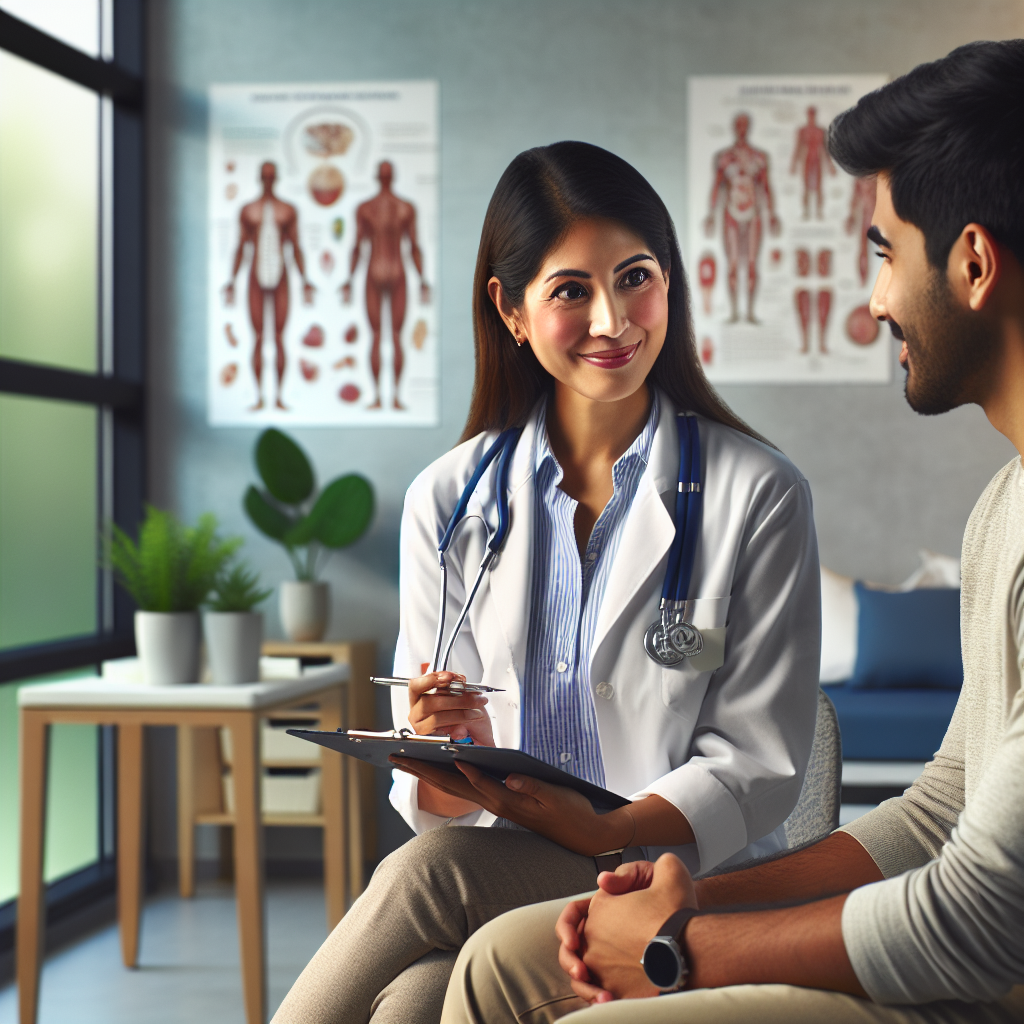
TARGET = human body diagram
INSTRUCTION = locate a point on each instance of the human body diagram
(811, 160)
(384, 221)
(862, 206)
(266, 225)
(742, 187)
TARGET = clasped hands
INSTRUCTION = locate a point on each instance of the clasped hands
(604, 936)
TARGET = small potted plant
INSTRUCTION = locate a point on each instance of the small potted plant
(169, 573)
(233, 629)
(307, 524)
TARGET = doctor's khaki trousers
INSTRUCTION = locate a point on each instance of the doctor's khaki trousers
(508, 973)
(389, 959)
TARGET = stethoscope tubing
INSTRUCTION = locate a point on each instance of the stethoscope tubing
(503, 449)
(689, 507)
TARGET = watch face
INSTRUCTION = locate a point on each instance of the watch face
(662, 964)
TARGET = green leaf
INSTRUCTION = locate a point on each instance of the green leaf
(303, 531)
(284, 467)
(238, 590)
(343, 511)
(172, 568)
(265, 517)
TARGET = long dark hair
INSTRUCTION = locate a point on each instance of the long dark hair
(542, 193)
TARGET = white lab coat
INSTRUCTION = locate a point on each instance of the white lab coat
(724, 736)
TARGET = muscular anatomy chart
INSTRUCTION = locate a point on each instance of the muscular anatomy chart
(323, 227)
(384, 223)
(777, 246)
(743, 188)
(264, 226)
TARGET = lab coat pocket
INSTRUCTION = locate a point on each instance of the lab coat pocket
(686, 682)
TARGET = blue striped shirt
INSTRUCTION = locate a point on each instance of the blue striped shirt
(559, 721)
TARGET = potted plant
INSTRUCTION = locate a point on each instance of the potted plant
(169, 573)
(233, 629)
(306, 523)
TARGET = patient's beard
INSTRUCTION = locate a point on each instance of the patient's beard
(949, 348)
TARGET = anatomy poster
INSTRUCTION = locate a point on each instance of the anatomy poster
(323, 236)
(780, 268)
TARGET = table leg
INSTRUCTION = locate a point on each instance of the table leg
(247, 771)
(129, 839)
(31, 912)
(332, 785)
(186, 811)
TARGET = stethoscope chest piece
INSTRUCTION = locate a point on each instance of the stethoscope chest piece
(668, 643)
(672, 638)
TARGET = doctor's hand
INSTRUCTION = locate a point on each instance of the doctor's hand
(603, 938)
(555, 812)
(433, 708)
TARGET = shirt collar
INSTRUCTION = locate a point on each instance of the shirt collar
(640, 448)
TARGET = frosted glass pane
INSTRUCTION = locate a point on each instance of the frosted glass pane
(72, 807)
(75, 22)
(48, 217)
(48, 527)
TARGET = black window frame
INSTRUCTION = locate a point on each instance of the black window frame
(116, 390)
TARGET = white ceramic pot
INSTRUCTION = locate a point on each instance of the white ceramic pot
(168, 646)
(233, 641)
(304, 608)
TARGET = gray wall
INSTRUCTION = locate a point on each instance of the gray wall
(513, 75)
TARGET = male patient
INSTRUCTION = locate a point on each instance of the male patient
(914, 913)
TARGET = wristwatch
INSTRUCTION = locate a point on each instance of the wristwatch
(664, 960)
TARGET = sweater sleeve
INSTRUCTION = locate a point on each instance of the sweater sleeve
(952, 928)
(908, 831)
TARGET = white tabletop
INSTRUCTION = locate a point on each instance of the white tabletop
(110, 693)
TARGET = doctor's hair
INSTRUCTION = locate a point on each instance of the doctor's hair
(541, 195)
(949, 136)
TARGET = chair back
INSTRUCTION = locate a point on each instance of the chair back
(817, 809)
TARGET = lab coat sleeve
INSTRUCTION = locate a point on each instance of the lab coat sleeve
(419, 589)
(753, 735)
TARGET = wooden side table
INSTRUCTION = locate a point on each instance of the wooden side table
(361, 658)
(130, 707)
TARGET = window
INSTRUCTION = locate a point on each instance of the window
(71, 397)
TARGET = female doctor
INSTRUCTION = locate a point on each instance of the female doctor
(583, 339)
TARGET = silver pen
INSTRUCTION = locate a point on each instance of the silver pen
(451, 688)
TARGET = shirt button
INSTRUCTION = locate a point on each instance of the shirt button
(565, 757)
(561, 666)
(605, 690)
(591, 555)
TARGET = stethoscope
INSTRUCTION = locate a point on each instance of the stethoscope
(668, 640)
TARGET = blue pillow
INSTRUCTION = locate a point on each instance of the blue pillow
(908, 639)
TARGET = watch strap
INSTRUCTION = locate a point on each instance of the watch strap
(676, 924)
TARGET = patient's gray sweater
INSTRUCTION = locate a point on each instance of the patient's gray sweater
(948, 921)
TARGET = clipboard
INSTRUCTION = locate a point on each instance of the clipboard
(498, 762)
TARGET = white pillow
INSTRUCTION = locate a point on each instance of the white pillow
(935, 571)
(838, 627)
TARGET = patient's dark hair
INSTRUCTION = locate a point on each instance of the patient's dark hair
(950, 137)
(541, 195)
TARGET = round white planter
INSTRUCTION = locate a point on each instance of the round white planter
(304, 608)
(168, 646)
(233, 641)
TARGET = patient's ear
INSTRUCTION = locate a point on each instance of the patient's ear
(975, 265)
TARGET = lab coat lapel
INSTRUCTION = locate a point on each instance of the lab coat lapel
(509, 579)
(649, 528)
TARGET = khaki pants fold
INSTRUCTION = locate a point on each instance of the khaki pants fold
(508, 973)
(389, 959)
